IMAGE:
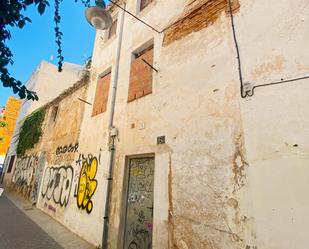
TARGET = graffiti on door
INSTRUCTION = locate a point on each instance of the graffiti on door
(139, 216)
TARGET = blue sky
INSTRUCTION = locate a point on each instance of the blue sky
(36, 41)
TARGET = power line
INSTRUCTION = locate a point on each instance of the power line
(131, 14)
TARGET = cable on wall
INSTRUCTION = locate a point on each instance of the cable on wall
(242, 93)
(250, 92)
(245, 89)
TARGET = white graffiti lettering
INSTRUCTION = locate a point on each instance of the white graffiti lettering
(57, 184)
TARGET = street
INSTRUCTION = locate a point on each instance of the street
(17, 231)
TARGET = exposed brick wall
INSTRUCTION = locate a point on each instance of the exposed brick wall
(198, 15)
(141, 75)
(101, 95)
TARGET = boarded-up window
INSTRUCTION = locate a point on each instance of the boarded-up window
(101, 95)
(112, 30)
(12, 159)
(141, 75)
(144, 4)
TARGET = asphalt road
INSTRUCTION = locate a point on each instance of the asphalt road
(17, 231)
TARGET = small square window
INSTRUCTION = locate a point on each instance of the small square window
(112, 30)
(144, 4)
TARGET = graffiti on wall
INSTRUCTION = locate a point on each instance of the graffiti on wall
(57, 184)
(67, 149)
(58, 181)
(66, 153)
(37, 177)
(24, 170)
(50, 207)
(28, 174)
(87, 184)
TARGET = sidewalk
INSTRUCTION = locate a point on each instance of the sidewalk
(64, 237)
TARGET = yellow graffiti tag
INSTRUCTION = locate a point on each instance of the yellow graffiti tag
(134, 171)
(87, 185)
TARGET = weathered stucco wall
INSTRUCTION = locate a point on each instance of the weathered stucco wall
(200, 168)
(275, 120)
(208, 187)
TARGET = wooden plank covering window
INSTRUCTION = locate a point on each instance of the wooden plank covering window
(101, 95)
(141, 75)
(112, 30)
(144, 4)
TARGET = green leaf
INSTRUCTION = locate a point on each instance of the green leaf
(41, 8)
(22, 95)
(27, 19)
(21, 24)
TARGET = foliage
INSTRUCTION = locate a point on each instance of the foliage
(30, 131)
(3, 123)
(11, 16)
(59, 34)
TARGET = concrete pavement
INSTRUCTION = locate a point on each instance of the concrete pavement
(23, 226)
(18, 231)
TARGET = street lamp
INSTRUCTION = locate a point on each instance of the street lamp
(98, 17)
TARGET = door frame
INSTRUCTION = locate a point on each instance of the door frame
(125, 189)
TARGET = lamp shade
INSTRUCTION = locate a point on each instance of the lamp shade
(99, 18)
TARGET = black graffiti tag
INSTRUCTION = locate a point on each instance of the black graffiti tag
(57, 184)
(67, 149)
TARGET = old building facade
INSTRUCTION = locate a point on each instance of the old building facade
(48, 83)
(165, 147)
(8, 119)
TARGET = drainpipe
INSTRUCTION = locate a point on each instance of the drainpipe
(112, 136)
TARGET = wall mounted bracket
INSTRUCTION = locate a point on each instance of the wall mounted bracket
(247, 89)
